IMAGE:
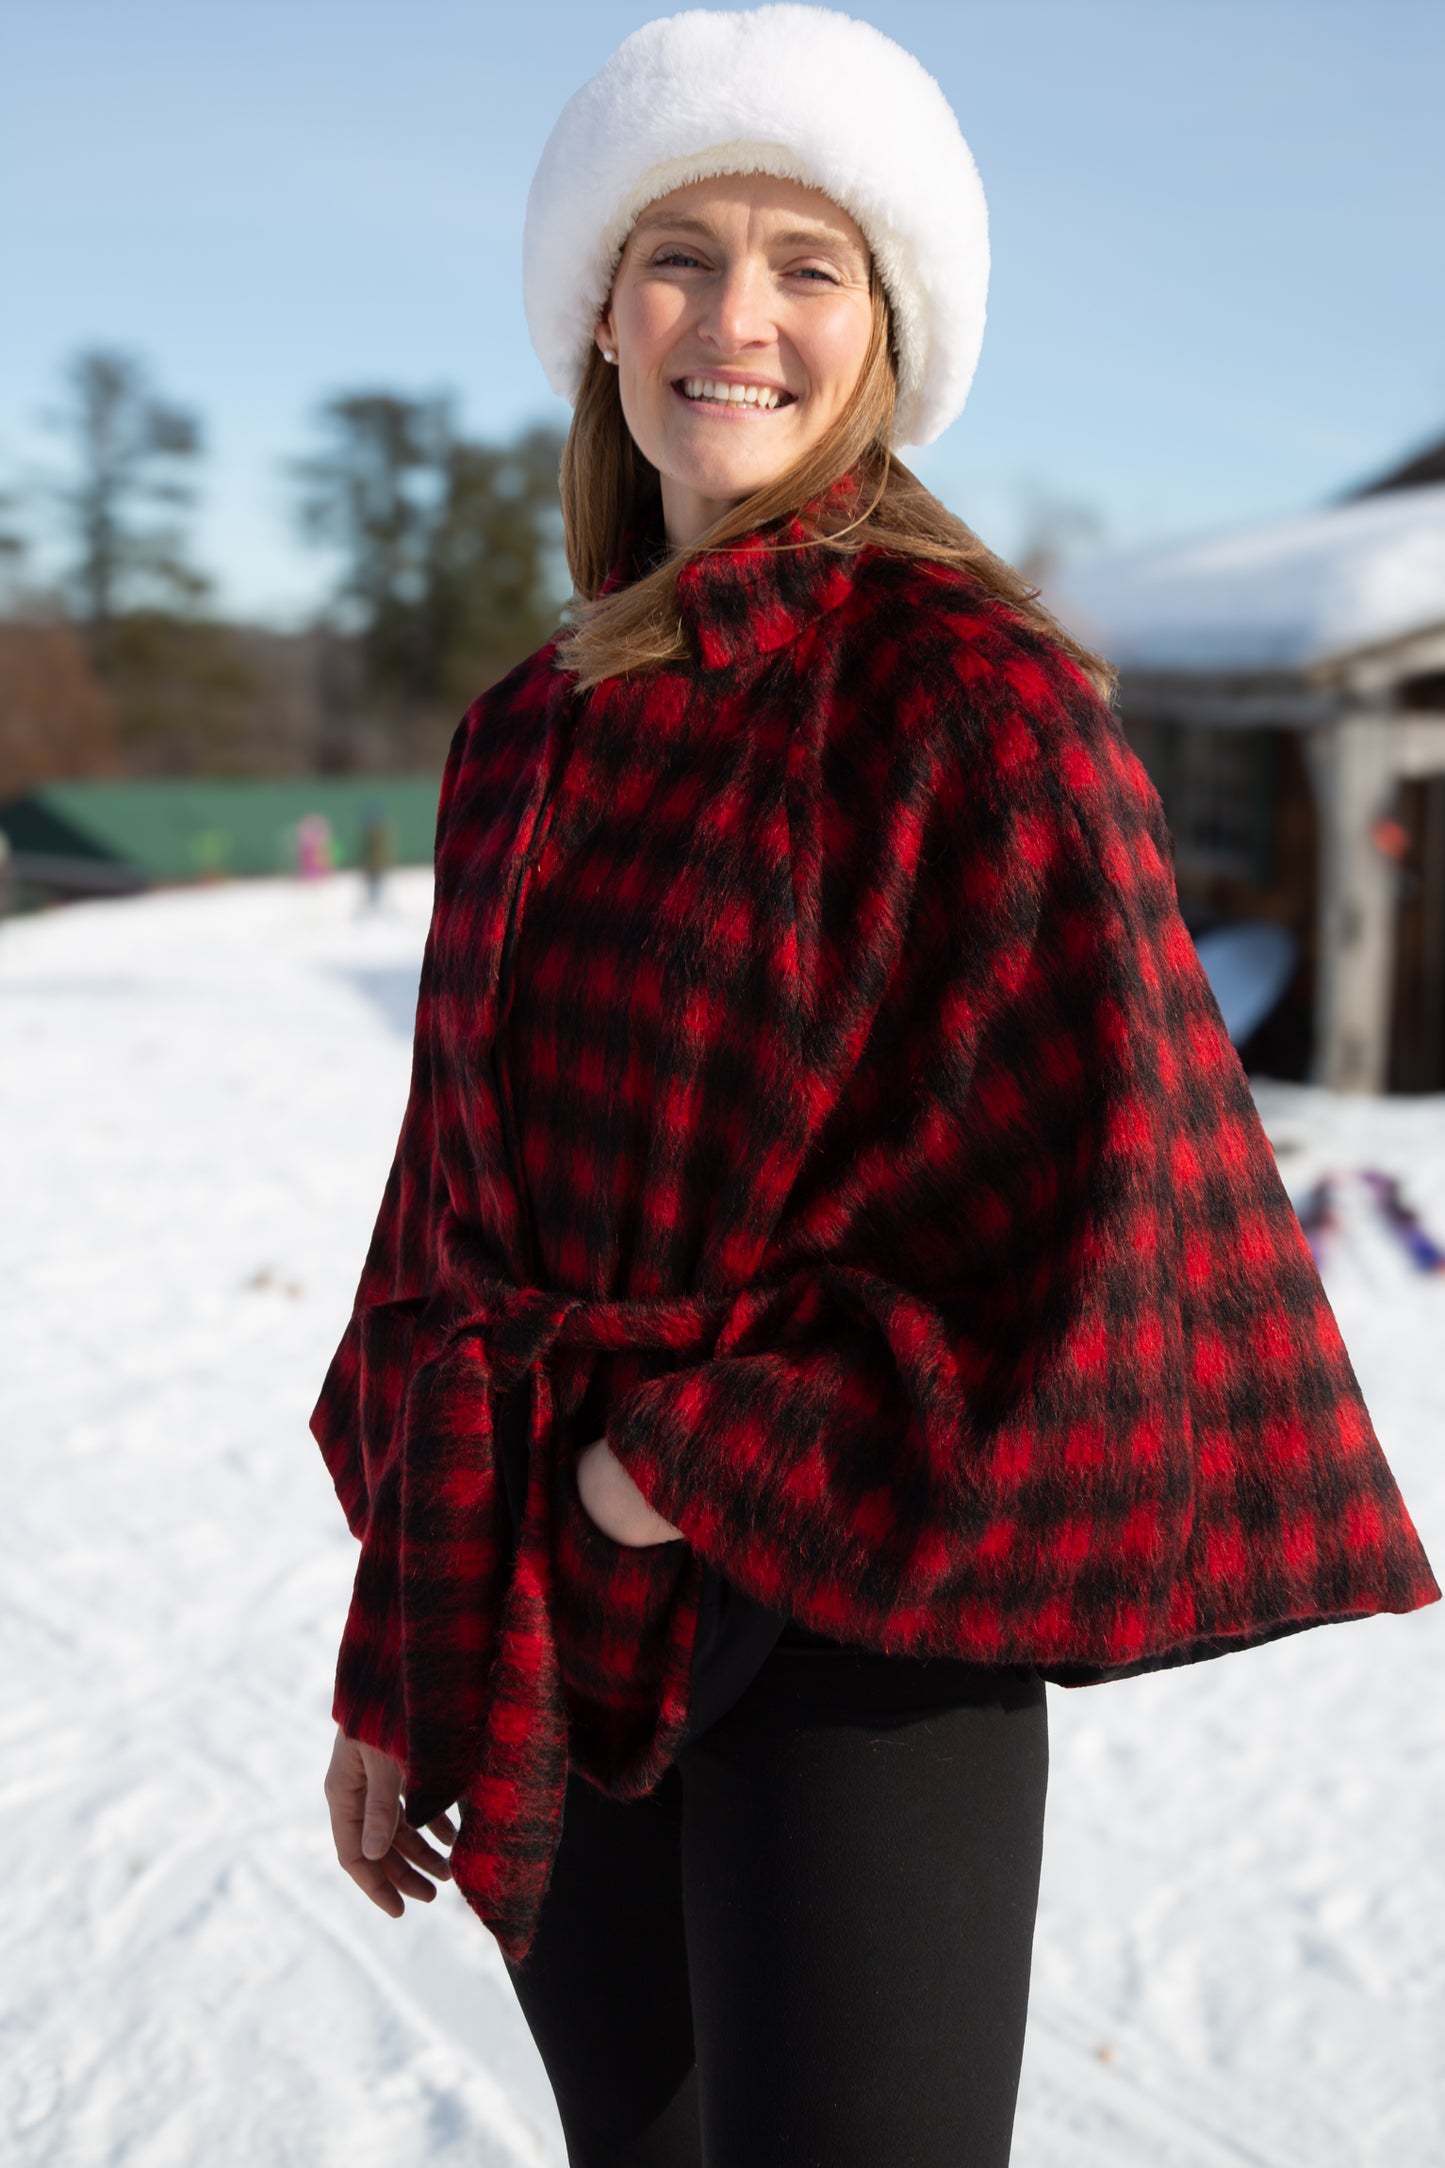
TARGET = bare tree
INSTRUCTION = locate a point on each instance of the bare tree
(122, 506)
(495, 577)
(448, 557)
(372, 496)
(12, 546)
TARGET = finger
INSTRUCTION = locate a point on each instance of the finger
(412, 1845)
(383, 1812)
(405, 1879)
(444, 1827)
(646, 1537)
(370, 1875)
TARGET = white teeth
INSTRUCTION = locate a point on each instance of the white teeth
(706, 387)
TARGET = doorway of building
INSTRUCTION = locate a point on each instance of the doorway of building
(1417, 1004)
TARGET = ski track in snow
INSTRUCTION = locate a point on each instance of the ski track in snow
(1240, 1954)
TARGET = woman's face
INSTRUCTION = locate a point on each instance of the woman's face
(745, 280)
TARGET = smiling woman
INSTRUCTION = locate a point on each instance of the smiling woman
(833, 1279)
(740, 320)
(753, 342)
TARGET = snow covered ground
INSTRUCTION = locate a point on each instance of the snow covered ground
(1240, 1955)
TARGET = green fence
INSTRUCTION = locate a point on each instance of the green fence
(180, 831)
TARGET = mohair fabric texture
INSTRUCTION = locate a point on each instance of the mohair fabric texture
(803, 92)
(813, 1070)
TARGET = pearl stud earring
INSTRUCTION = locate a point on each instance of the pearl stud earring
(607, 354)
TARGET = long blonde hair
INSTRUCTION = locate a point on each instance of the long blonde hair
(607, 486)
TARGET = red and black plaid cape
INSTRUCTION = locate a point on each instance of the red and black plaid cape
(812, 1068)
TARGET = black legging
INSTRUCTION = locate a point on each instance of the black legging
(810, 1946)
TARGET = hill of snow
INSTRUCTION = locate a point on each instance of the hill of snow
(1240, 1955)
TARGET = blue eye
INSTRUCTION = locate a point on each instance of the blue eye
(685, 256)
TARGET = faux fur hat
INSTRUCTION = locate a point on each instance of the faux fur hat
(802, 92)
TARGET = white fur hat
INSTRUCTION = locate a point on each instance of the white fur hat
(802, 92)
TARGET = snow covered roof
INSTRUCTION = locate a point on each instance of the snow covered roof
(1279, 596)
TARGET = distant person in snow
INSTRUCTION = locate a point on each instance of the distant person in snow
(314, 856)
(376, 849)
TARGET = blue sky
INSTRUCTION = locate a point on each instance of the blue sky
(1218, 235)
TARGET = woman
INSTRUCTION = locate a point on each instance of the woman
(833, 1279)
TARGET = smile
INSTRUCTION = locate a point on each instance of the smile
(722, 396)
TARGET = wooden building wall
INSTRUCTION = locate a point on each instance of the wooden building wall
(1417, 1003)
(1241, 810)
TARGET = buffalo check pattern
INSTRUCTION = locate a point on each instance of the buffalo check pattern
(815, 1089)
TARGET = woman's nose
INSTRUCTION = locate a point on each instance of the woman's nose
(737, 311)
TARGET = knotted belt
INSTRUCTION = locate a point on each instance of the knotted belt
(486, 1724)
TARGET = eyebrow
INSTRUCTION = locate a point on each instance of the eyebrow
(796, 237)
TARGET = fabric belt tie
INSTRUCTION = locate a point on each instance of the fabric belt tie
(486, 1722)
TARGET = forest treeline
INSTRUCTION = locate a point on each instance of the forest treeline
(448, 563)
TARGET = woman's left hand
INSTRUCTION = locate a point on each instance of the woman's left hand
(611, 1499)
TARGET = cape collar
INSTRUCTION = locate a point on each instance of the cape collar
(758, 592)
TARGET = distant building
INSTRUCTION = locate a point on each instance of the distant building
(1284, 685)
